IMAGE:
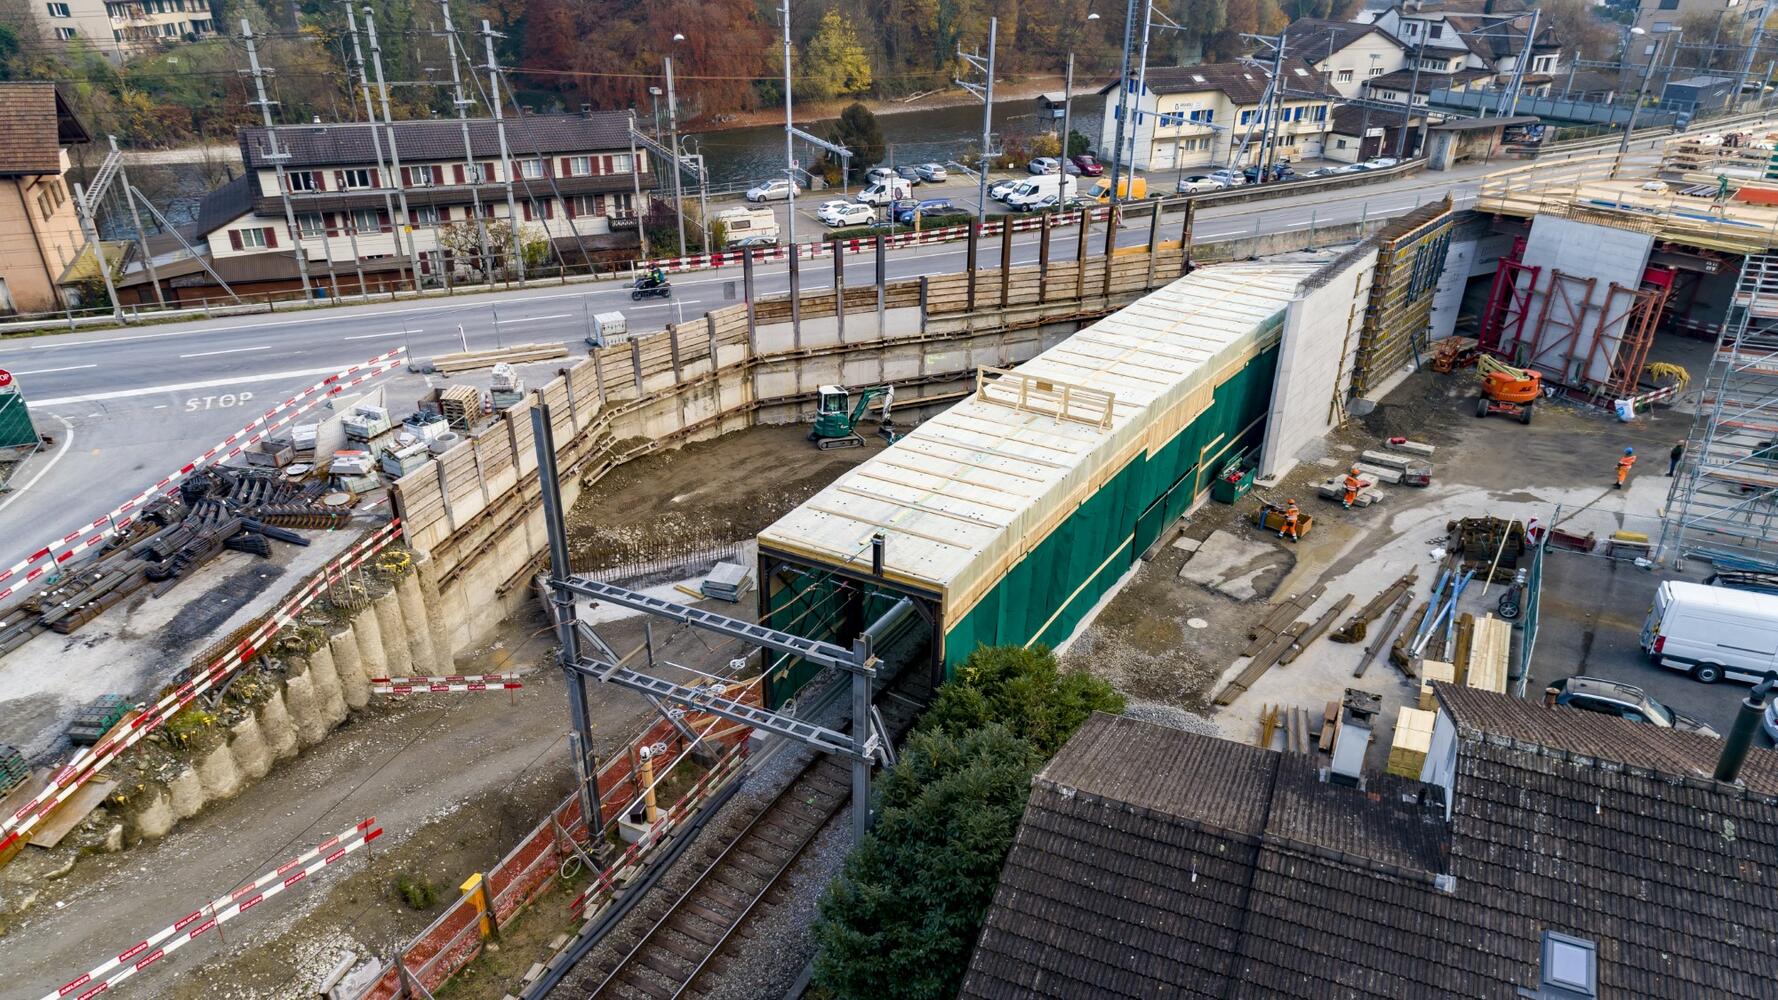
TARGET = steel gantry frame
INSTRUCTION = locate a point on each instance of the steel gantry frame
(1723, 506)
(862, 745)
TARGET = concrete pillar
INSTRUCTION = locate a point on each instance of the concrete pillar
(328, 694)
(419, 634)
(367, 631)
(252, 756)
(354, 685)
(394, 631)
(444, 650)
(218, 773)
(305, 709)
(156, 818)
(187, 793)
(274, 722)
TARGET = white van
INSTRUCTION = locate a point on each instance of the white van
(1037, 188)
(886, 190)
(746, 223)
(1712, 632)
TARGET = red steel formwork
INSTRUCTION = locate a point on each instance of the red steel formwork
(1509, 301)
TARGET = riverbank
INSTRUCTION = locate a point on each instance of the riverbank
(1027, 88)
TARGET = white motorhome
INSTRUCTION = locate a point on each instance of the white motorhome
(747, 223)
(1712, 632)
(886, 190)
(1037, 188)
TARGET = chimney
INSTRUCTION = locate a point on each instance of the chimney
(1734, 748)
(1550, 695)
(876, 553)
(586, 110)
(317, 119)
(1352, 736)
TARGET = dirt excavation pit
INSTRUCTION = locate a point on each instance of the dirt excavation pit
(702, 495)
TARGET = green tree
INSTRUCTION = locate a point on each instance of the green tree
(1024, 690)
(1077, 143)
(834, 61)
(858, 131)
(907, 906)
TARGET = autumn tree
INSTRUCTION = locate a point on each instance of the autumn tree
(1581, 32)
(834, 62)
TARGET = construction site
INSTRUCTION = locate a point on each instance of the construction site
(577, 681)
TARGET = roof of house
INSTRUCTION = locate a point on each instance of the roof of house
(1585, 81)
(1494, 36)
(1428, 82)
(35, 123)
(1243, 83)
(1152, 861)
(436, 140)
(1314, 38)
(1465, 7)
(224, 205)
(1349, 119)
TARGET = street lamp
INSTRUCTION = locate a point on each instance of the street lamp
(1068, 92)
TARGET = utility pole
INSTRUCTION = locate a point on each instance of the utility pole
(678, 181)
(129, 196)
(272, 154)
(637, 208)
(512, 208)
(985, 91)
(1123, 90)
(1753, 44)
(1407, 115)
(407, 218)
(789, 157)
(470, 166)
(1641, 94)
(1141, 88)
(376, 146)
(1067, 107)
(89, 226)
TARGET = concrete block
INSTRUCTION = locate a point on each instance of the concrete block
(1185, 544)
(218, 772)
(156, 818)
(354, 686)
(426, 571)
(252, 755)
(328, 694)
(187, 793)
(394, 635)
(306, 714)
(1385, 459)
(1379, 474)
(1335, 490)
(274, 722)
(1413, 447)
(368, 633)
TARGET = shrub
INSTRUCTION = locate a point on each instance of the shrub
(415, 892)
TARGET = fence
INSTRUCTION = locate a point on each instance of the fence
(455, 938)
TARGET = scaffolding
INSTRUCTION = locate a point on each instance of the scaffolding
(1411, 252)
(1723, 506)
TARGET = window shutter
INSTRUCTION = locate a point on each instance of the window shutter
(376, 178)
(549, 208)
(234, 238)
(610, 168)
(407, 176)
(569, 203)
(383, 220)
(331, 222)
(527, 206)
(339, 179)
(271, 236)
(598, 204)
(320, 180)
(458, 171)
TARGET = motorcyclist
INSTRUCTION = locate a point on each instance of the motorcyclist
(655, 278)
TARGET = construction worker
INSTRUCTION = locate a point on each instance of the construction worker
(1291, 514)
(1353, 484)
(1623, 467)
(1674, 456)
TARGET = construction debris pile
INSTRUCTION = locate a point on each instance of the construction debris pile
(217, 509)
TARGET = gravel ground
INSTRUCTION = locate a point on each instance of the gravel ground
(1172, 717)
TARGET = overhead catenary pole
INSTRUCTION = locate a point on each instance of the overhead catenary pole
(90, 229)
(1407, 114)
(636, 206)
(678, 180)
(472, 170)
(1623, 145)
(376, 148)
(272, 154)
(1753, 44)
(789, 175)
(988, 125)
(512, 208)
(1141, 88)
(129, 196)
(406, 222)
(1123, 90)
(1067, 109)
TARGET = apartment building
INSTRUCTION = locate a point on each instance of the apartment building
(39, 232)
(574, 187)
(1487, 35)
(1199, 116)
(1347, 53)
(124, 29)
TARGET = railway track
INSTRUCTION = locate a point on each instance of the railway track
(684, 946)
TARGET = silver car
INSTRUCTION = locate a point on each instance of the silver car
(774, 190)
(932, 173)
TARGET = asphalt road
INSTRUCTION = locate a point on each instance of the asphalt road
(129, 405)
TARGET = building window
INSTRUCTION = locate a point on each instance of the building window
(1376, 71)
(581, 205)
(367, 220)
(302, 180)
(253, 239)
(1344, 76)
(423, 176)
(1246, 117)
(1204, 116)
(65, 34)
(1570, 965)
(358, 178)
(1321, 113)
(621, 164)
(311, 224)
(621, 205)
(44, 207)
(1412, 27)
(425, 215)
(531, 170)
(1436, 31)
(59, 10)
(579, 166)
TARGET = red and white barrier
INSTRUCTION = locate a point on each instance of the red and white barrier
(77, 772)
(218, 911)
(453, 682)
(41, 562)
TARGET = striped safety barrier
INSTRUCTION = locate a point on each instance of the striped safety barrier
(452, 682)
(57, 553)
(218, 911)
(78, 771)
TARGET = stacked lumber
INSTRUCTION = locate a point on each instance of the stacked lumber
(1434, 670)
(1413, 741)
(517, 354)
(1356, 626)
(1488, 655)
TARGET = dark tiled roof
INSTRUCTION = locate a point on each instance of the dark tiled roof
(35, 123)
(225, 204)
(1496, 37)
(1401, 79)
(1242, 82)
(1312, 38)
(1118, 885)
(441, 140)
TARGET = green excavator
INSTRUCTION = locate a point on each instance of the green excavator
(836, 423)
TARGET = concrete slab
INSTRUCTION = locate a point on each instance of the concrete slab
(1231, 565)
(1412, 447)
(1385, 459)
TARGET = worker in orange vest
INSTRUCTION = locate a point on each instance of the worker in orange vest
(1291, 514)
(1623, 467)
(1353, 485)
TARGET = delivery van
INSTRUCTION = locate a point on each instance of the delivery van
(1128, 189)
(747, 223)
(1035, 189)
(1712, 632)
(882, 192)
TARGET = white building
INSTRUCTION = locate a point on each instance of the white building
(1198, 116)
(123, 29)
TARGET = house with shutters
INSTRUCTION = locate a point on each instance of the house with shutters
(382, 207)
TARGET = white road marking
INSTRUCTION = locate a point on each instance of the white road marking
(377, 336)
(534, 319)
(67, 442)
(232, 350)
(206, 384)
(46, 371)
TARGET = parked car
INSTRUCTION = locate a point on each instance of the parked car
(1087, 164)
(1712, 632)
(846, 213)
(1199, 183)
(877, 175)
(749, 242)
(1045, 165)
(1227, 178)
(1325, 172)
(999, 189)
(774, 190)
(904, 213)
(1624, 701)
(932, 173)
(1381, 162)
(909, 173)
(1280, 172)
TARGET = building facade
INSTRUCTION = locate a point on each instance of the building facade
(577, 195)
(1347, 53)
(39, 232)
(124, 29)
(1187, 117)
